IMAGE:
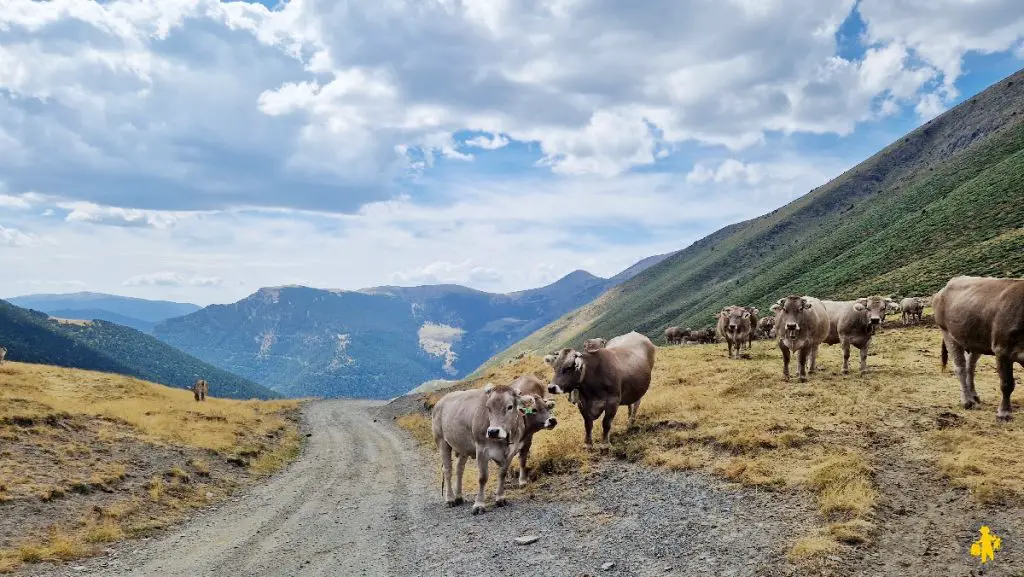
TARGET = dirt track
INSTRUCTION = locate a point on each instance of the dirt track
(362, 500)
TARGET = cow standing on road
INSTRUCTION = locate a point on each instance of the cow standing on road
(605, 379)
(535, 420)
(982, 316)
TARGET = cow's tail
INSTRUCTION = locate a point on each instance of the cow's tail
(944, 355)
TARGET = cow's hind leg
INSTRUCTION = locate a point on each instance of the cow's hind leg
(1006, 385)
(801, 371)
(606, 423)
(499, 493)
(956, 352)
(588, 425)
(446, 471)
(814, 359)
(460, 469)
(524, 454)
(972, 365)
(482, 462)
(864, 359)
(633, 410)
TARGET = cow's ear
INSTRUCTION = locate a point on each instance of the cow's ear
(858, 306)
(807, 305)
(549, 360)
(578, 362)
(862, 301)
(746, 314)
(489, 388)
(776, 307)
(549, 403)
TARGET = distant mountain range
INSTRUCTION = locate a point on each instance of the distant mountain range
(377, 342)
(34, 337)
(139, 314)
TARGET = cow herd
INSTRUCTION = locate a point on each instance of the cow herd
(976, 316)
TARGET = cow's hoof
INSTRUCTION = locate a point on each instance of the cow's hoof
(500, 502)
(969, 404)
(803, 379)
(479, 508)
(520, 483)
(847, 371)
(456, 502)
(977, 400)
(1004, 417)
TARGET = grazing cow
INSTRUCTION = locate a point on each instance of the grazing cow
(913, 309)
(982, 316)
(3, 353)
(535, 420)
(766, 327)
(676, 335)
(605, 379)
(734, 326)
(486, 424)
(708, 336)
(801, 325)
(200, 390)
(594, 344)
(857, 324)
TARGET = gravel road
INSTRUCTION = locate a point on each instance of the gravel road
(362, 501)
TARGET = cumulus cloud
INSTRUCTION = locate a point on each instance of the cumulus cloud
(13, 237)
(443, 272)
(163, 279)
(340, 106)
(87, 212)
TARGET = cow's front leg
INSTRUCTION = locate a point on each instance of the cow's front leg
(499, 493)
(1006, 385)
(483, 459)
(814, 358)
(606, 423)
(588, 425)
(846, 357)
(801, 358)
(785, 360)
(460, 468)
(956, 352)
(524, 454)
(864, 359)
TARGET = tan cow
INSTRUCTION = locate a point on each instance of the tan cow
(485, 424)
(766, 327)
(3, 353)
(801, 325)
(676, 335)
(982, 316)
(605, 379)
(913, 309)
(734, 326)
(200, 390)
(857, 324)
(536, 421)
(754, 320)
(594, 344)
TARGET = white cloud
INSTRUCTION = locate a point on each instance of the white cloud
(488, 142)
(162, 279)
(87, 212)
(443, 272)
(930, 106)
(13, 237)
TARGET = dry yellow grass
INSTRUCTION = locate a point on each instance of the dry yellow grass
(739, 420)
(70, 433)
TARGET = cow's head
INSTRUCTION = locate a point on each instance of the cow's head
(503, 405)
(536, 412)
(789, 317)
(875, 308)
(570, 367)
(736, 319)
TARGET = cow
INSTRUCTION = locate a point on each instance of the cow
(801, 325)
(856, 324)
(913, 308)
(3, 353)
(200, 390)
(982, 316)
(594, 344)
(537, 420)
(485, 424)
(676, 335)
(766, 327)
(734, 326)
(753, 325)
(605, 379)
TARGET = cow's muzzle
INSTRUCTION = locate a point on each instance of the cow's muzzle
(555, 389)
(496, 433)
(792, 327)
(732, 328)
(876, 320)
(550, 423)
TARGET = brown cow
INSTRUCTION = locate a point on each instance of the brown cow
(753, 325)
(913, 309)
(707, 336)
(535, 420)
(857, 324)
(766, 327)
(801, 325)
(3, 353)
(676, 335)
(982, 316)
(486, 424)
(605, 379)
(734, 326)
(594, 344)
(200, 390)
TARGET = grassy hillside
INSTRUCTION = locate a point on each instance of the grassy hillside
(115, 306)
(941, 201)
(32, 336)
(87, 458)
(891, 460)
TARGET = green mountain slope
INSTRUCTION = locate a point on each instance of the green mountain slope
(116, 306)
(33, 337)
(946, 199)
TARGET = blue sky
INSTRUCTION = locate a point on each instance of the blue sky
(198, 150)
